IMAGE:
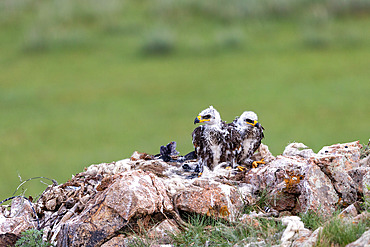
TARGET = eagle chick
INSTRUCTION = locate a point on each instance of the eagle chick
(215, 141)
(251, 133)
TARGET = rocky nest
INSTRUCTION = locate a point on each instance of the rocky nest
(109, 202)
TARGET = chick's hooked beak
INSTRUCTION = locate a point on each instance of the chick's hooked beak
(200, 119)
(255, 123)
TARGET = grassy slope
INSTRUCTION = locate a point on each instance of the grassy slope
(66, 108)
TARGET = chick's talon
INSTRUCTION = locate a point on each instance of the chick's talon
(256, 163)
(241, 168)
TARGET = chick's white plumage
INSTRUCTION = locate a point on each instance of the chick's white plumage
(215, 141)
(251, 134)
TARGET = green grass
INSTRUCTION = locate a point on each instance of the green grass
(203, 229)
(206, 231)
(77, 88)
(261, 204)
(312, 220)
(340, 233)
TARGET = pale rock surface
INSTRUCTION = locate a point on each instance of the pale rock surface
(365, 162)
(350, 150)
(361, 178)
(20, 217)
(308, 240)
(318, 193)
(298, 149)
(132, 194)
(109, 168)
(210, 198)
(364, 216)
(349, 212)
(366, 185)
(161, 233)
(263, 153)
(363, 241)
(335, 168)
(251, 242)
(295, 183)
(292, 231)
(119, 241)
(336, 161)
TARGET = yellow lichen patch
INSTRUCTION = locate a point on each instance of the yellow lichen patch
(211, 211)
(224, 211)
(292, 179)
(216, 211)
(342, 203)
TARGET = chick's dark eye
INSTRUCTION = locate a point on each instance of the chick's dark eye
(249, 120)
(207, 116)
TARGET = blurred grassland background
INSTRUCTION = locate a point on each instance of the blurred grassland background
(91, 81)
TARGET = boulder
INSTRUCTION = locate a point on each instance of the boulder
(19, 218)
(294, 228)
(363, 241)
(159, 235)
(8, 239)
(308, 240)
(120, 240)
(162, 232)
(317, 192)
(366, 185)
(294, 184)
(335, 168)
(349, 212)
(210, 198)
(263, 153)
(364, 216)
(134, 193)
(300, 180)
(298, 149)
(251, 242)
(350, 150)
(336, 161)
(365, 162)
(358, 174)
(112, 168)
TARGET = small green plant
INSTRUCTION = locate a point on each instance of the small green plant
(366, 203)
(365, 151)
(31, 238)
(340, 233)
(262, 203)
(312, 220)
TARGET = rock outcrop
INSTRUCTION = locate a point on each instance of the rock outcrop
(16, 218)
(146, 194)
(131, 194)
